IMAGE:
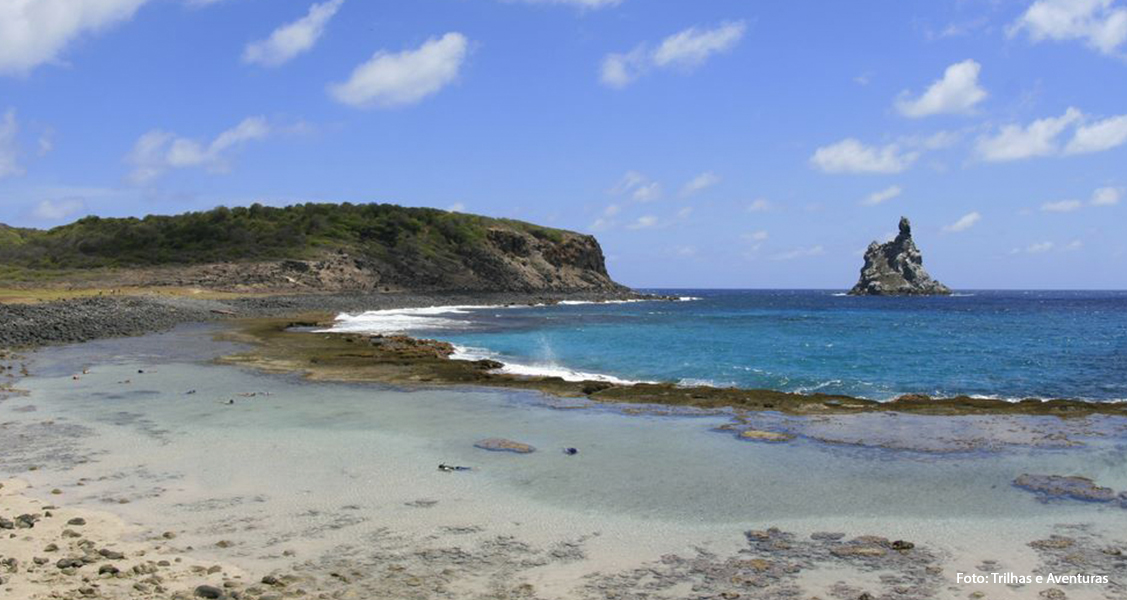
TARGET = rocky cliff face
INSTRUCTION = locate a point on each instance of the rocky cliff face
(896, 269)
(508, 260)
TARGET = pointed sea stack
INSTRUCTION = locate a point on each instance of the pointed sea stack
(896, 269)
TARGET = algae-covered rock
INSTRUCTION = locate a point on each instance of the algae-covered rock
(503, 445)
(1059, 486)
(756, 435)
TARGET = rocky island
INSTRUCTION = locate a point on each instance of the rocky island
(896, 269)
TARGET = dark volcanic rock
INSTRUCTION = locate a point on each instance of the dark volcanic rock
(1059, 486)
(896, 269)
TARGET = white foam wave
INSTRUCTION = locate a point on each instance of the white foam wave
(582, 302)
(400, 320)
(537, 370)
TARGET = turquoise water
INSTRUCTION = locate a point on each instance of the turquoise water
(991, 343)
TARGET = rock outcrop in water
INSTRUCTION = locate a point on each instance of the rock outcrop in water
(896, 269)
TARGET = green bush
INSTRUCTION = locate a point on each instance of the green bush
(252, 233)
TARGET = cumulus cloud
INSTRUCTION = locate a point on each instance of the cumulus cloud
(457, 207)
(1099, 136)
(157, 151)
(957, 92)
(644, 222)
(851, 156)
(691, 47)
(1062, 206)
(1106, 196)
(637, 186)
(9, 145)
(397, 79)
(1015, 142)
(685, 50)
(48, 210)
(621, 69)
(1101, 24)
(882, 196)
(964, 223)
(700, 183)
(293, 38)
(35, 32)
(648, 192)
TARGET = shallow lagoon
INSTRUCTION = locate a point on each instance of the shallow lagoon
(312, 467)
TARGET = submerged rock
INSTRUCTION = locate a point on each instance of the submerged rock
(896, 269)
(766, 436)
(503, 445)
(1059, 486)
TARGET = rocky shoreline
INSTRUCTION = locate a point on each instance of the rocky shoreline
(282, 345)
(107, 316)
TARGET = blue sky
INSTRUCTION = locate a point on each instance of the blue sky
(719, 143)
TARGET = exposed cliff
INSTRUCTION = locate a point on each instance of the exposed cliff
(896, 269)
(314, 247)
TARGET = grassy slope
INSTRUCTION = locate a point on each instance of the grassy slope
(244, 234)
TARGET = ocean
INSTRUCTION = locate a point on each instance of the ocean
(1003, 344)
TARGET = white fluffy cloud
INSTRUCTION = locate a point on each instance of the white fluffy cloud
(1039, 138)
(35, 32)
(1102, 197)
(957, 92)
(1062, 206)
(964, 223)
(397, 79)
(49, 210)
(9, 145)
(293, 38)
(644, 222)
(700, 183)
(882, 196)
(156, 152)
(1106, 196)
(1101, 24)
(693, 46)
(1042, 137)
(684, 50)
(851, 156)
(1099, 136)
(637, 186)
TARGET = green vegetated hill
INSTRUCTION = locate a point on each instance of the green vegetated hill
(329, 246)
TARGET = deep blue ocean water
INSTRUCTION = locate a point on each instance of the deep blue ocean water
(1008, 344)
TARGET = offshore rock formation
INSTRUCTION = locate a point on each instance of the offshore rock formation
(896, 269)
